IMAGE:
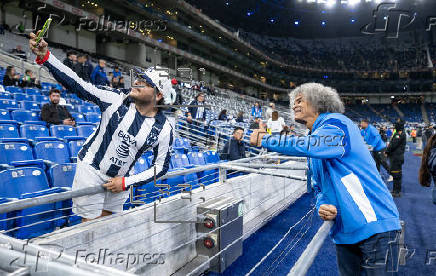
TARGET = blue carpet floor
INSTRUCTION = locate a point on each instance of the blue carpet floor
(415, 207)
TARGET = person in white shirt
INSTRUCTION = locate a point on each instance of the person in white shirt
(276, 123)
(270, 110)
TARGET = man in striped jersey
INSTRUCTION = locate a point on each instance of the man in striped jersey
(130, 125)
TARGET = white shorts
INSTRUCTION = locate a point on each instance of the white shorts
(91, 206)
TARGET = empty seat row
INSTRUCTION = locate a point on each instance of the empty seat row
(31, 131)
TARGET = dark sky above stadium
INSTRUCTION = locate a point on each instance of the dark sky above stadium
(297, 18)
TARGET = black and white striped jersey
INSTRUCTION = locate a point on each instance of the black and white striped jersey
(123, 134)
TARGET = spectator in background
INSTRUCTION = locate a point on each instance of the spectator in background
(372, 137)
(179, 99)
(413, 135)
(2, 29)
(71, 59)
(117, 73)
(198, 112)
(115, 83)
(98, 76)
(121, 84)
(29, 80)
(427, 171)
(223, 115)
(83, 68)
(234, 149)
(256, 111)
(18, 51)
(54, 113)
(256, 123)
(240, 117)
(11, 78)
(269, 110)
(395, 152)
(383, 134)
(276, 123)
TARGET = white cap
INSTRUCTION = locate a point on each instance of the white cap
(158, 77)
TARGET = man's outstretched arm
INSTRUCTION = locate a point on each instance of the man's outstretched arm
(69, 79)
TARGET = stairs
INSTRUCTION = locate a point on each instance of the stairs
(424, 114)
(381, 115)
(398, 111)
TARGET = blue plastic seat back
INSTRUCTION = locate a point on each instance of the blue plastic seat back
(62, 175)
(61, 131)
(13, 89)
(15, 182)
(85, 108)
(75, 146)
(30, 105)
(141, 164)
(32, 91)
(179, 161)
(5, 222)
(211, 157)
(40, 98)
(9, 131)
(78, 117)
(54, 151)
(24, 115)
(38, 220)
(93, 117)
(4, 104)
(85, 130)
(5, 95)
(4, 115)
(22, 97)
(196, 158)
(15, 152)
(31, 131)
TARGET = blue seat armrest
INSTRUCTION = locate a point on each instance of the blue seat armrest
(42, 123)
(73, 138)
(47, 138)
(15, 140)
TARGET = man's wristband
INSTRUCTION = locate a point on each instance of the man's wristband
(124, 183)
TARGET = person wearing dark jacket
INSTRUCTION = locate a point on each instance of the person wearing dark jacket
(83, 68)
(395, 152)
(427, 134)
(234, 149)
(240, 117)
(71, 59)
(11, 78)
(427, 172)
(54, 113)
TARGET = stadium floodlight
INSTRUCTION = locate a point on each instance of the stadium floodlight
(323, 23)
(296, 22)
(353, 2)
(330, 3)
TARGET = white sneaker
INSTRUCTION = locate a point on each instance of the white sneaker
(390, 179)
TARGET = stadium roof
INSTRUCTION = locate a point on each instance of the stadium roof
(308, 18)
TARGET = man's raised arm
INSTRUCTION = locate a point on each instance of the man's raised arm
(69, 79)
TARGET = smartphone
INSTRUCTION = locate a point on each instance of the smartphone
(43, 31)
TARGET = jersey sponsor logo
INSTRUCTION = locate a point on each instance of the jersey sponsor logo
(123, 150)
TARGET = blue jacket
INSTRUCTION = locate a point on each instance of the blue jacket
(373, 138)
(98, 76)
(256, 112)
(344, 174)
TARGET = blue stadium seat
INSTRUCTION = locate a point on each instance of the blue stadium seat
(54, 151)
(40, 98)
(85, 108)
(32, 91)
(62, 175)
(211, 157)
(93, 117)
(6, 221)
(205, 177)
(75, 147)
(141, 164)
(6, 104)
(78, 117)
(30, 105)
(31, 131)
(4, 115)
(61, 131)
(22, 97)
(24, 115)
(85, 130)
(5, 95)
(10, 152)
(13, 89)
(9, 131)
